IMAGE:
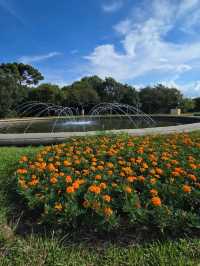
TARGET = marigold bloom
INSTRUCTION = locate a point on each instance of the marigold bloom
(51, 167)
(110, 165)
(70, 190)
(186, 189)
(156, 201)
(94, 189)
(21, 171)
(192, 177)
(24, 159)
(153, 192)
(98, 177)
(108, 211)
(76, 185)
(128, 189)
(159, 171)
(53, 180)
(33, 182)
(100, 167)
(131, 179)
(110, 172)
(106, 198)
(22, 183)
(153, 181)
(103, 185)
(67, 163)
(141, 178)
(68, 179)
(58, 206)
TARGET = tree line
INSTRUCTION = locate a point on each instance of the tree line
(21, 83)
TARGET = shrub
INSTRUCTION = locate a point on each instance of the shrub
(108, 181)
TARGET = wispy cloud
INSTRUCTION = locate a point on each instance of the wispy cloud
(112, 6)
(37, 58)
(7, 5)
(147, 47)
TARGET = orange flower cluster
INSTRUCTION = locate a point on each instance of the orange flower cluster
(113, 175)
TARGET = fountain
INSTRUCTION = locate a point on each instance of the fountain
(47, 117)
(46, 123)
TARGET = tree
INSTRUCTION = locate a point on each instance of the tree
(45, 92)
(197, 104)
(159, 99)
(23, 74)
(11, 94)
(187, 105)
(80, 94)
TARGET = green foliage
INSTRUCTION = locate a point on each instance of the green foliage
(11, 94)
(159, 99)
(197, 104)
(187, 105)
(47, 93)
(22, 73)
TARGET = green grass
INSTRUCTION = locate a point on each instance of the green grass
(49, 249)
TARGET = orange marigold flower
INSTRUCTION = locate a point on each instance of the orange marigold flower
(21, 171)
(103, 185)
(128, 189)
(106, 198)
(33, 182)
(70, 190)
(108, 211)
(153, 181)
(110, 172)
(51, 167)
(58, 206)
(22, 183)
(193, 166)
(67, 163)
(186, 189)
(98, 177)
(100, 167)
(153, 192)
(131, 179)
(159, 171)
(24, 159)
(68, 179)
(141, 178)
(110, 165)
(156, 201)
(76, 185)
(53, 180)
(94, 189)
(192, 177)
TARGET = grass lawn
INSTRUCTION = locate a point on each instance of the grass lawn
(31, 248)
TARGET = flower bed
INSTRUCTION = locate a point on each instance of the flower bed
(108, 181)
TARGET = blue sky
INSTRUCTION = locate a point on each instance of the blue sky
(137, 42)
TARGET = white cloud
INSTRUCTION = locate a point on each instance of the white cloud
(112, 6)
(37, 58)
(146, 48)
(191, 89)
